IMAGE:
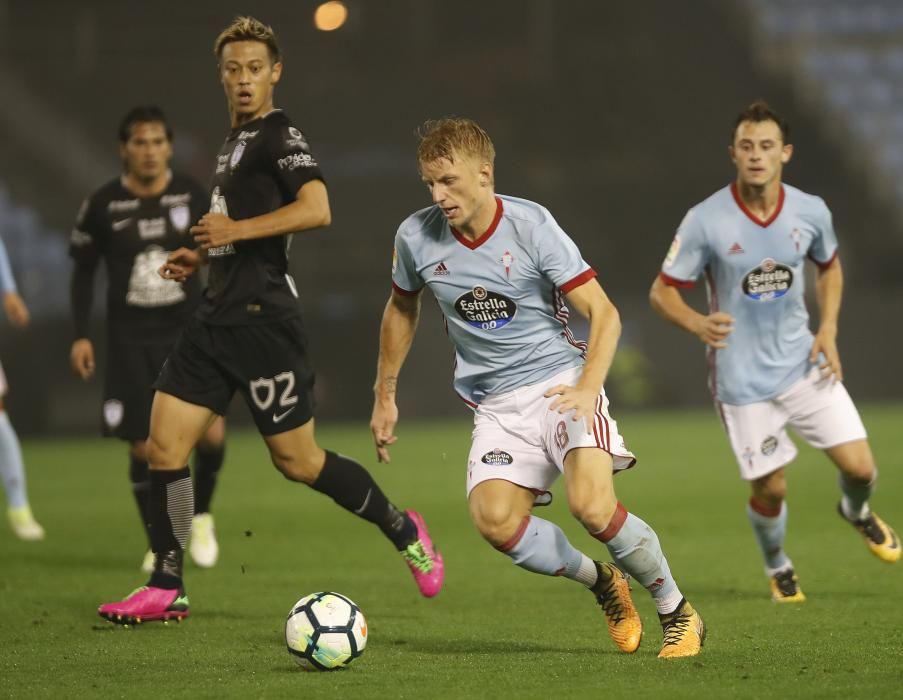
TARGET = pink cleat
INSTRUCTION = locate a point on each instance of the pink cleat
(146, 604)
(423, 560)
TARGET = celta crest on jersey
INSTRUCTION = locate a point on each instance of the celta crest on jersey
(484, 309)
(507, 260)
(770, 280)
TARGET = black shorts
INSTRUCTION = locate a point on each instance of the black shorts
(267, 363)
(131, 369)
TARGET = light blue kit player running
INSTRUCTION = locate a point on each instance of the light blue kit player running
(767, 370)
(12, 466)
(501, 270)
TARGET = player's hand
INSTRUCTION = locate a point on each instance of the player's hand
(181, 264)
(577, 399)
(382, 425)
(82, 358)
(825, 344)
(714, 329)
(15, 309)
(215, 230)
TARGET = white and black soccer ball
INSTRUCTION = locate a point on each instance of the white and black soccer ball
(325, 631)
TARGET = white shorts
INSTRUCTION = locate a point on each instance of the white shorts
(518, 439)
(819, 410)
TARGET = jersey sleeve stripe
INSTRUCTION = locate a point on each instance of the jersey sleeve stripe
(827, 264)
(405, 292)
(584, 276)
(674, 282)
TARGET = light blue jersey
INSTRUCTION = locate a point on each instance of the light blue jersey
(754, 271)
(502, 295)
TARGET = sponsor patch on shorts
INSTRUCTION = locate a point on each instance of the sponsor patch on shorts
(769, 445)
(497, 458)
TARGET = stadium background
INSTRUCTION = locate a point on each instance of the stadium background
(616, 116)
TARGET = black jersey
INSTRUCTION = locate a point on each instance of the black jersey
(133, 236)
(259, 169)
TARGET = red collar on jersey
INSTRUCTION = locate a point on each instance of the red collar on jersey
(752, 217)
(489, 231)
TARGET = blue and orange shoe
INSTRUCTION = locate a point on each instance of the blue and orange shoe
(147, 604)
(423, 559)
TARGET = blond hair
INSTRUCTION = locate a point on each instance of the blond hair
(450, 136)
(248, 29)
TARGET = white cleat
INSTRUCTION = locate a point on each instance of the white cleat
(147, 564)
(203, 547)
(24, 524)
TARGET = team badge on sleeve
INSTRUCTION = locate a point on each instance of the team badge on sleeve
(673, 251)
(394, 260)
(296, 139)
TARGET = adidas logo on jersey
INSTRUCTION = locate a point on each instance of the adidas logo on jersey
(735, 249)
(440, 270)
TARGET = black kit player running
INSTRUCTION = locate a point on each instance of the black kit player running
(247, 334)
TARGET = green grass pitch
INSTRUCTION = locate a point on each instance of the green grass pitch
(495, 631)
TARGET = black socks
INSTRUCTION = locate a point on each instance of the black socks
(352, 487)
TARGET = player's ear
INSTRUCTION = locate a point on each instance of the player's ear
(730, 154)
(122, 153)
(786, 153)
(485, 174)
(276, 73)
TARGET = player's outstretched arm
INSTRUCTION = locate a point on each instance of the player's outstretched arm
(669, 303)
(309, 210)
(591, 302)
(828, 294)
(396, 334)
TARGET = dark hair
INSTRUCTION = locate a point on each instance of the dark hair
(759, 111)
(140, 115)
(248, 29)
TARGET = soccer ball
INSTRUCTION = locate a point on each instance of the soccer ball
(325, 631)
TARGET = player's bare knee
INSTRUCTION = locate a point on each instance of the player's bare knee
(770, 490)
(861, 471)
(162, 456)
(496, 522)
